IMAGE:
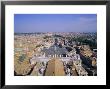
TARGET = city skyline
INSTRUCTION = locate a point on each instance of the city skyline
(30, 23)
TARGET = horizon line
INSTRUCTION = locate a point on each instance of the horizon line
(55, 32)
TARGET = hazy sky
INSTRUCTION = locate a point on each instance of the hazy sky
(25, 23)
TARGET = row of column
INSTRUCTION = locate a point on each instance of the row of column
(54, 56)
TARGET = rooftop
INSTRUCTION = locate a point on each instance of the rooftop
(55, 68)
